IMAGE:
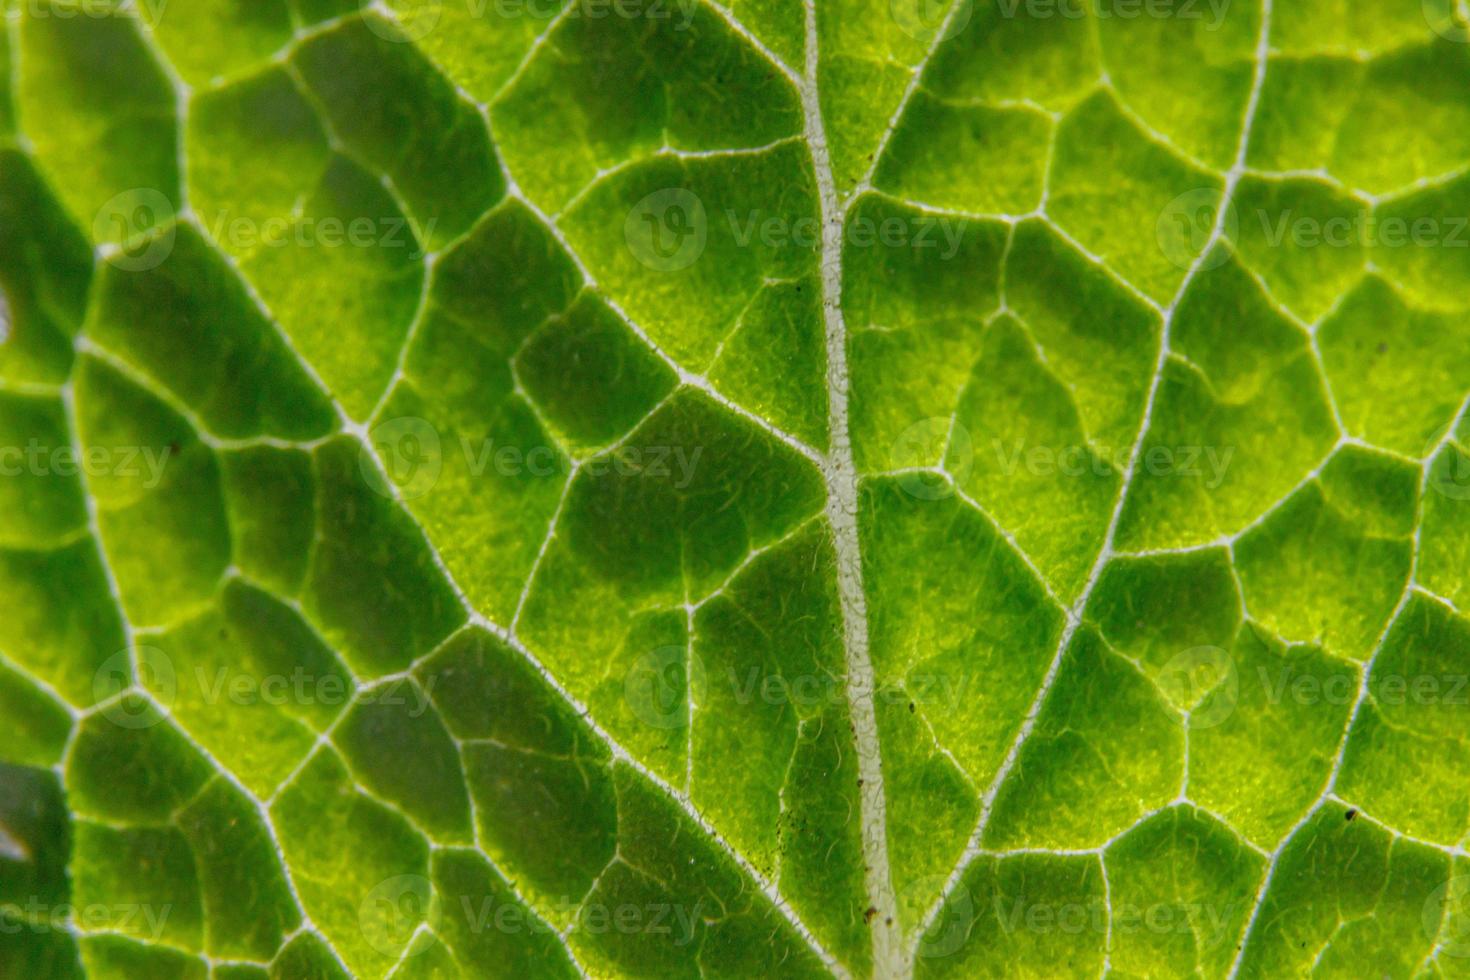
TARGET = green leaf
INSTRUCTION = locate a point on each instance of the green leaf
(555, 488)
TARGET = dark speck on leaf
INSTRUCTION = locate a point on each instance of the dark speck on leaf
(1350, 814)
(911, 707)
(868, 915)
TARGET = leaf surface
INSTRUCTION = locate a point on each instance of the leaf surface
(734, 488)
